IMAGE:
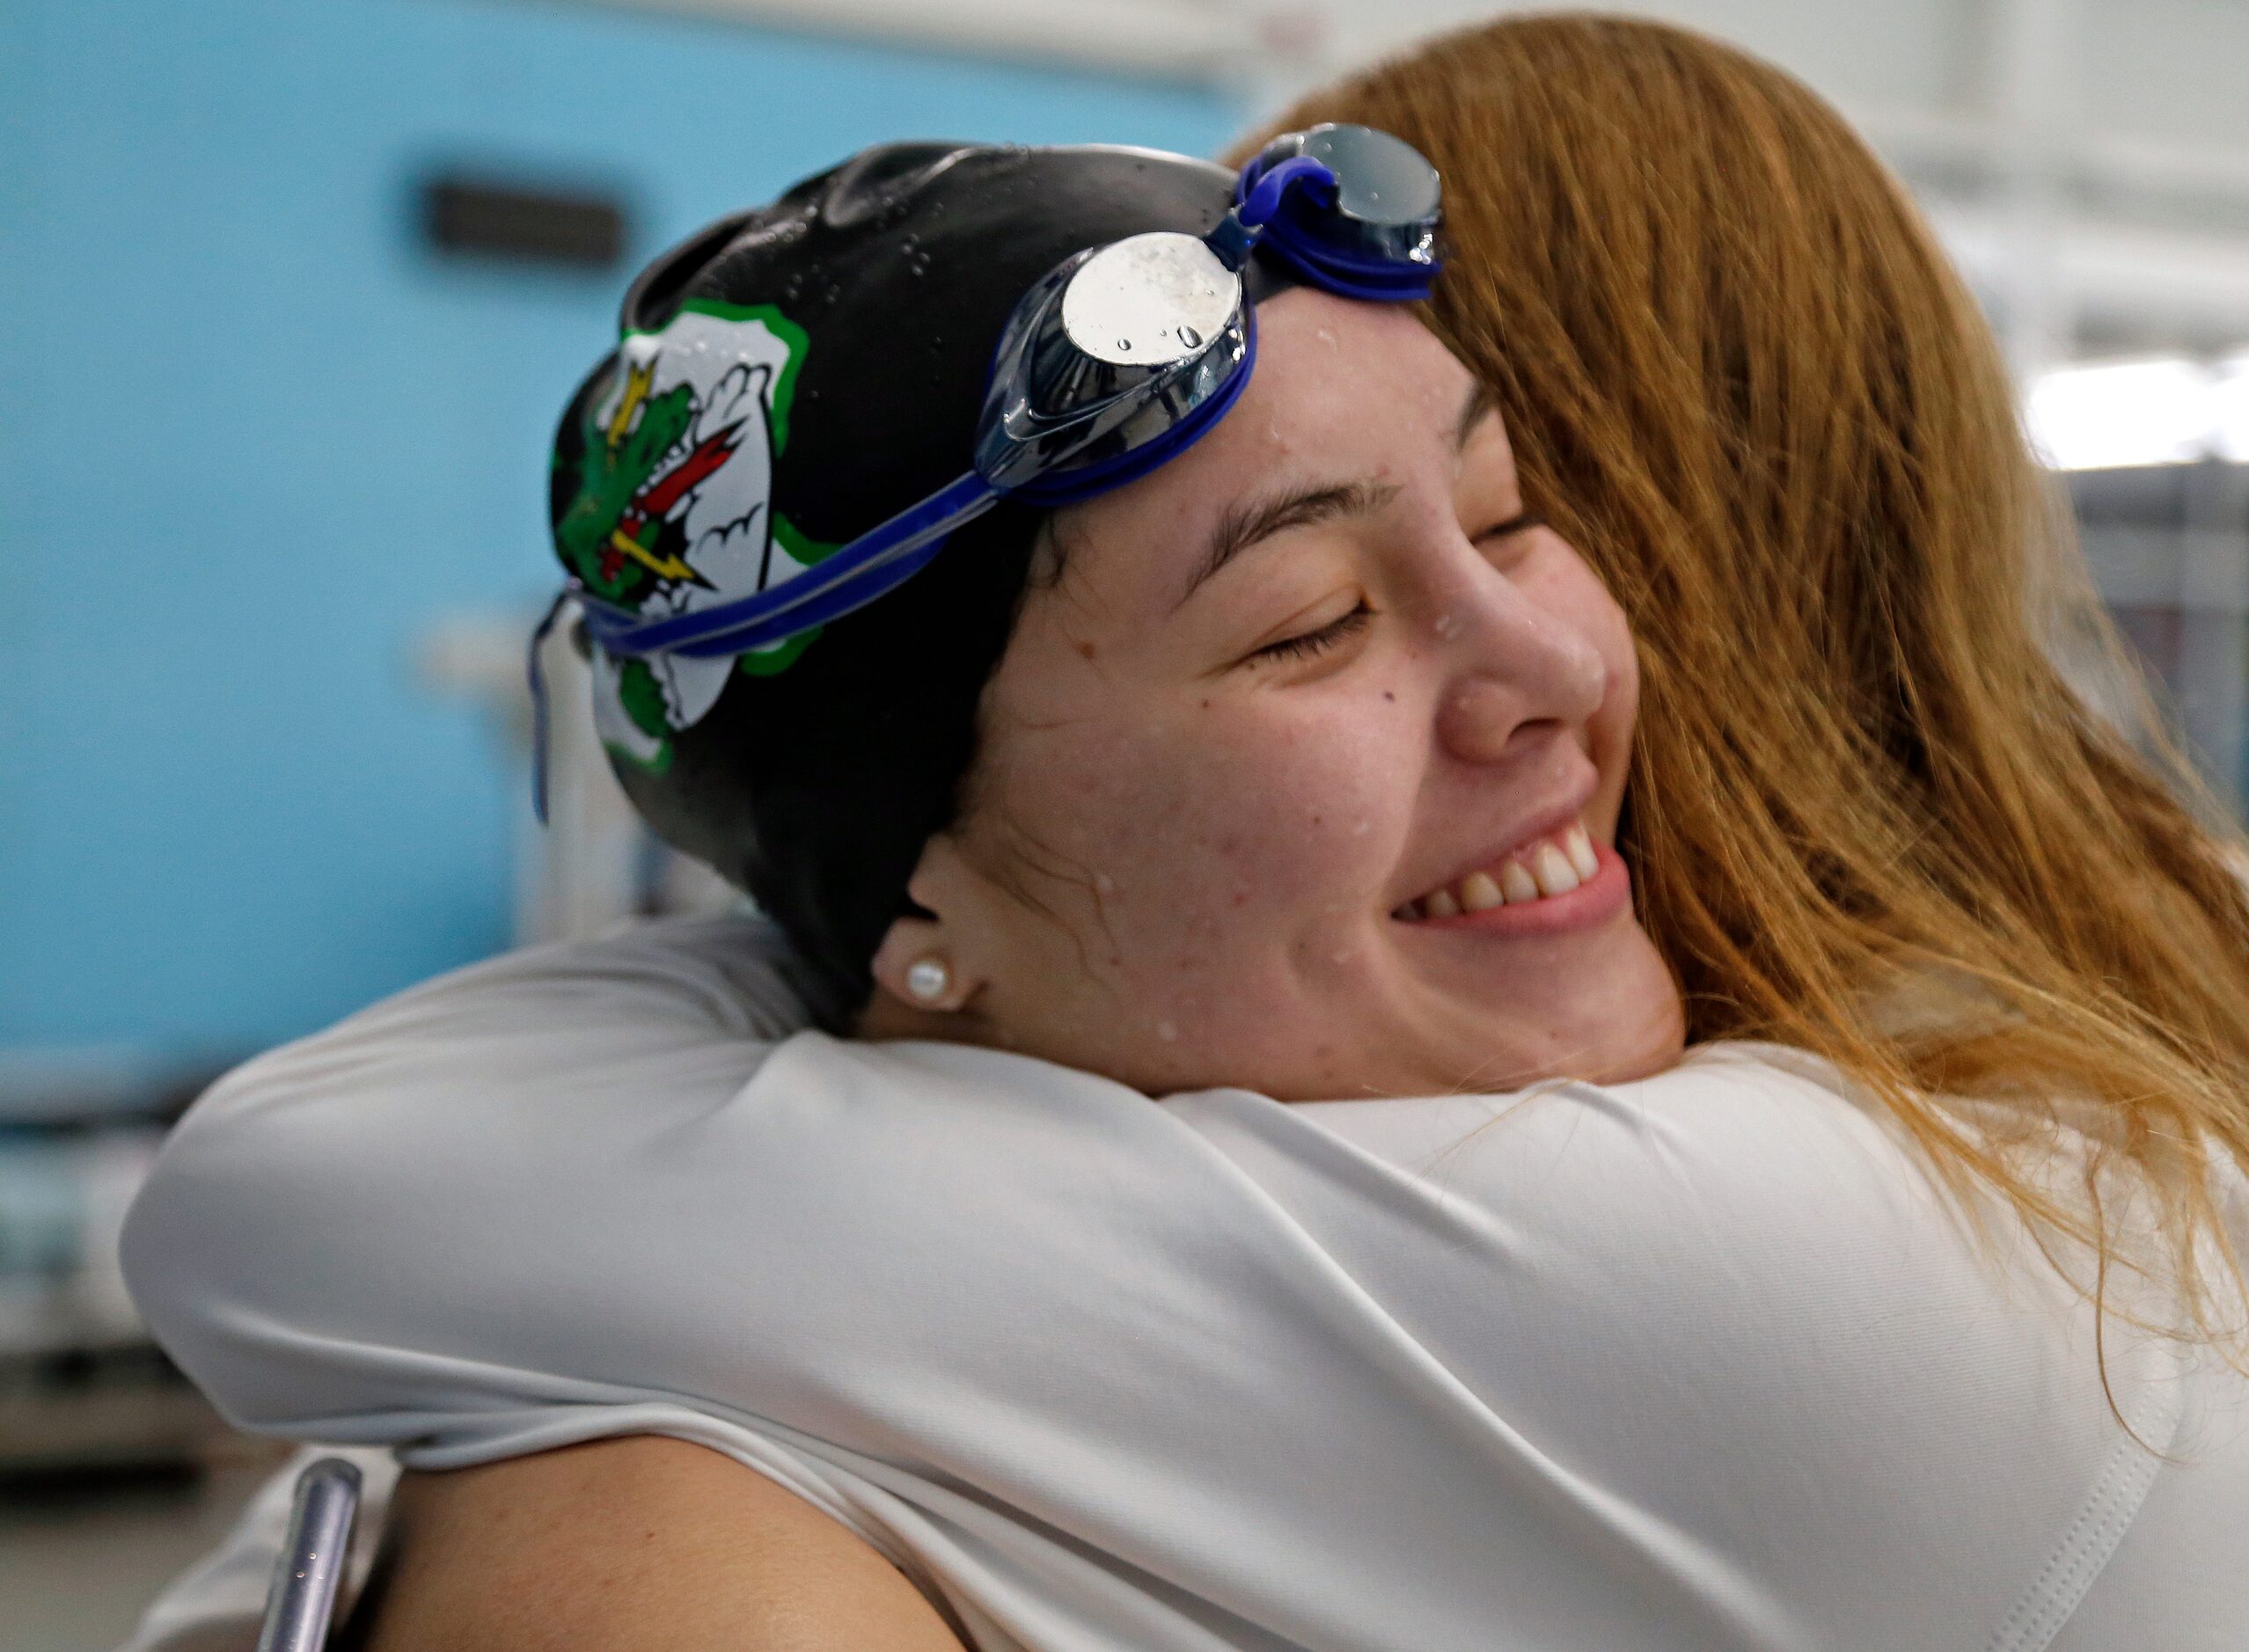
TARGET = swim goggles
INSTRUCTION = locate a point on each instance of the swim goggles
(1118, 359)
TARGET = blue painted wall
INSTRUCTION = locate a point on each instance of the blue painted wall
(253, 439)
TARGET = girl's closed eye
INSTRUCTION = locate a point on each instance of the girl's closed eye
(1314, 642)
(1522, 522)
(1319, 641)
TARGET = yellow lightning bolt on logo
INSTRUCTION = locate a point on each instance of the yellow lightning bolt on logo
(636, 389)
(670, 568)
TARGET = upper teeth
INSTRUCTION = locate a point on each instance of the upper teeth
(1551, 866)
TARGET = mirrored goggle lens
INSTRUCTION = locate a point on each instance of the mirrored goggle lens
(1380, 179)
(1149, 300)
(1116, 353)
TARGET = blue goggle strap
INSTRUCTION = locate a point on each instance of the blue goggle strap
(878, 560)
(863, 570)
(870, 565)
(1328, 268)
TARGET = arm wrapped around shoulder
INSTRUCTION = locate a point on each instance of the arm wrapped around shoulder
(435, 1158)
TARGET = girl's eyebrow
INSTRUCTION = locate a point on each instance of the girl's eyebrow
(1247, 522)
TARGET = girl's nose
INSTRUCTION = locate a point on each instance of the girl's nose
(1517, 666)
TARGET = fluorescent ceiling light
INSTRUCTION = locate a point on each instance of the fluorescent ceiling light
(2159, 412)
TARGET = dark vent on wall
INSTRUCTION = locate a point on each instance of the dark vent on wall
(479, 217)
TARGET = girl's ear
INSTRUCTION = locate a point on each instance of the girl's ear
(927, 961)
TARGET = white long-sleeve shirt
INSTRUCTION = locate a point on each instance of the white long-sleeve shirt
(1697, 1361)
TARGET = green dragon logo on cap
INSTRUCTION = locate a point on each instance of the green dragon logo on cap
(673, 507)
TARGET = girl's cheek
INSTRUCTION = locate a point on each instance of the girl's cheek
(1186, 826)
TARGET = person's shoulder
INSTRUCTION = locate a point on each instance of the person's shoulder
(1748, 1072)
(481, 1125)
(652, 992)
(1761, 1142)
(1737, 1106)
(1737, 1289)
(1749, 1183)
(1757, 1111)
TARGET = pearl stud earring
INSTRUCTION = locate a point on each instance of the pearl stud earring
(928, 979)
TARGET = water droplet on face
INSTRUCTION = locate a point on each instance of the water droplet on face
(1360, 828)
(1106, 884)
(1167, 1032)
(1448, 625)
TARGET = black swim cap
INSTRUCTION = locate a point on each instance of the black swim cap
(790, 377)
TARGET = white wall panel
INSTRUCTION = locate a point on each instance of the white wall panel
(2174, 70)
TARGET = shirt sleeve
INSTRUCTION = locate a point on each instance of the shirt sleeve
(408, 1156)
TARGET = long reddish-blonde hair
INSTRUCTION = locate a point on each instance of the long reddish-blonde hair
(1867, 814)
